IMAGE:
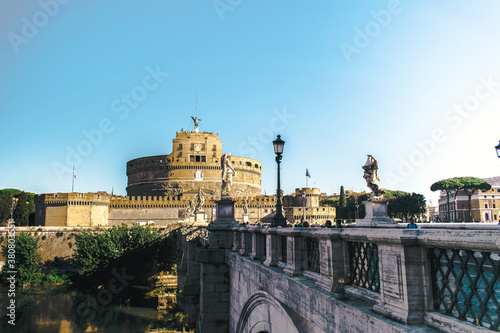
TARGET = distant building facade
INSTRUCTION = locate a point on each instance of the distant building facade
(304, 205)
(485, 205)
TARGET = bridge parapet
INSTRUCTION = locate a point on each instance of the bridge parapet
(448, 279)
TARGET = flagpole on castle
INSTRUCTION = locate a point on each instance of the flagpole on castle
(73, 180)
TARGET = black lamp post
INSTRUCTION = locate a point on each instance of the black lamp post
(279, 219)
(498, 150)
(357, 209)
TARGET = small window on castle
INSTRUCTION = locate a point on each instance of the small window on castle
(248, 164)
(214, 155)
(202, 146)
(215, 148)
(257, 166)
(180, 146)
(240, 162)
(485, 205)
(192, 146)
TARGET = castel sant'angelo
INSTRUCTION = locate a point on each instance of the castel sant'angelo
(195, 162)
(162, 189)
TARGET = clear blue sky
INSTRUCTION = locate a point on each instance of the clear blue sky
(416, 84)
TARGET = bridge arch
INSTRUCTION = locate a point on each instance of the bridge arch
(263, 313)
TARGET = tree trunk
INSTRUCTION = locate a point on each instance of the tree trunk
(470, 194)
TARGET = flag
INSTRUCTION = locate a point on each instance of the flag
(74, 172)
(307, 173)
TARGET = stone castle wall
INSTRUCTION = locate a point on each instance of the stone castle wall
(194, 162)
(53, 242)
(72, 209)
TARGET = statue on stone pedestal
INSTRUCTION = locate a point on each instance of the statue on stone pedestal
(199, 200)
(228, 173)
(191, 208)
(371, 176)
(245, 206)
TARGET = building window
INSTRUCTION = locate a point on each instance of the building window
(214, 154)
(248, 164)
(197, 158)
(215, 148)
(494, 206)
(202, 146)
(192, 146)
(180, 146)
(486, 205)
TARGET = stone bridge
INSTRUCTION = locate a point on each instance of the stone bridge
(441, 278)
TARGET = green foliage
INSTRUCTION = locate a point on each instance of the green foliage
(342, 212)
(27, 260)
(469, 185)
(27, 204)
(5, 207)
(332, 202)
(405, 205)
(142, 251)
(54, 278)
(25, 208)
(11, 191)
(389, 194)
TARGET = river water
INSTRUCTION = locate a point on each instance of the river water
(61, 309)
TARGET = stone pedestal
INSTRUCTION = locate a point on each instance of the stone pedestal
(200, 216)
(214, 271)
(376, 215)
(225, 214)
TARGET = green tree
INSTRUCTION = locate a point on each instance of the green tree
(341, 209)
(5, 207)
(450, 186)
(470, 185)
(142, 251)
(26, 260)
(21, 212)
(405, 205)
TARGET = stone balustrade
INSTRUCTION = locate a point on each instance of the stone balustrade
(439, 277)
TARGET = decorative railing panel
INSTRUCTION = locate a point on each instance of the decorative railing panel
(466, 285)
(283, 249)
(313, 255)
(364, 265)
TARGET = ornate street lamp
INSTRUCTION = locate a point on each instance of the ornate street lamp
(498, 150)
(279, 219)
